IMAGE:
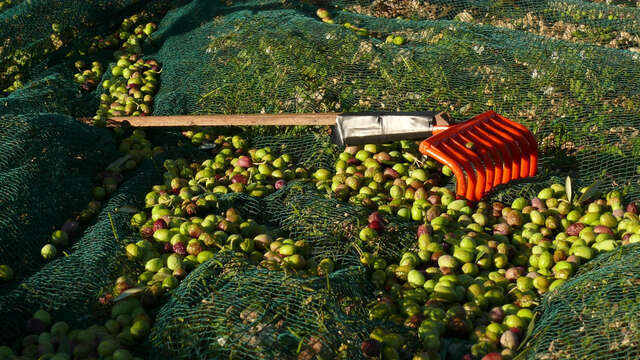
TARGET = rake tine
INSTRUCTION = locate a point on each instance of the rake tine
(471, 156)
(485, 151)
(519, 161)
(504, 151)
(520, 140)
(512, 144)
(495, 158)
(461, 161)
(461, 183)
(531, 141)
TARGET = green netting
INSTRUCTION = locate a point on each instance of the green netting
(567, 69)
(331, 226)
(595, 315)
(38, 35)
(47, 166)
(229, 309)
(311, 151)
(52, 93)
(69, 286)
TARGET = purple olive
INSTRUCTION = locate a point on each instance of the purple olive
(237, 178)
(377, 226)
(180, 248)
(632, 208)
(501, 229)
(375, 216)
(600, 229)
(370, 348)
(244, 162)
(146, 232)
(538, 204)
(159, 224)
(434, 199)
(496, 314)
(279, 184)
(389, 173)
(424, 229)
(72, 228)
(574, 229)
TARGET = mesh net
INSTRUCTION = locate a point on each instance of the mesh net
(594, 315)
(45, 175)
(227, 308)
(69, 286)
(566, 69)
(37, 36)
(332, 227)
(52, 94)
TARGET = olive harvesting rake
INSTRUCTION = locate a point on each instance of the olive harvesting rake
(483, 152)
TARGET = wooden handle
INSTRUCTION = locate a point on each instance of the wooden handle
(316, 119)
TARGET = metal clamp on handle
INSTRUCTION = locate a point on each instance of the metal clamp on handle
(385, 127)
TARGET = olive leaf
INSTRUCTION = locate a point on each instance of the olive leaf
(128, 293)
(529, 332)
(590, 192)
(207, 146)
(568, 189)
(116, 166)
(480, 255)
(129, 209)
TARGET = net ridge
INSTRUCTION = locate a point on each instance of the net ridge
(229, 308)
(70, 285)
(44, 177)
(594, 314)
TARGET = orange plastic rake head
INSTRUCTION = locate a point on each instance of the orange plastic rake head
(483, 152)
